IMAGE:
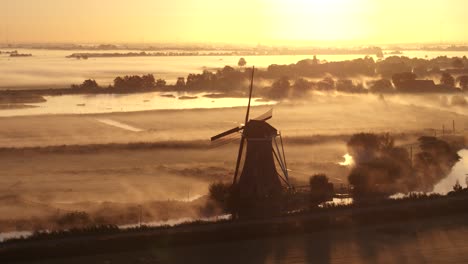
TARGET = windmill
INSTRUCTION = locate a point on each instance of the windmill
(259, 180)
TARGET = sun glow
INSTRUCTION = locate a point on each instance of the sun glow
(323, 20)
(242, 21)
(348, 160)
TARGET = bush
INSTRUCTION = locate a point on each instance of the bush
(221, 194)
(87, 84)
(74, 219)
(321, 190)
(135, 82)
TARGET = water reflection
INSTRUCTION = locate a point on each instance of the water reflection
(50, 68)
(108, 103)
(429, 242)
(459, 173)
(409, 243)
(14, 234)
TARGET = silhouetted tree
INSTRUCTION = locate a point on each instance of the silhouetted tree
(347, 86)
(381, 86)
(435, 70)
(87, 84)
(420, 70)
(227, 70)
(279, 89)
(457, 187)
(180, 82)
(223, 195)
(379, 54)
(463, 81)
(242, 62)
(315, 60)
(344, 85)
(326, 84)
(380, 167)
(447, 79)
(74, 219)
(301, 87)
(400, 78)
(393, 65)
(458, 63)
(321, 190)
(119, 83)
(434, 161)
(135, 82)
(90, 84)
(148, 81)
(363, 146)
(160, 83)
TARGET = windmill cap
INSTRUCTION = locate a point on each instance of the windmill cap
(259, 129)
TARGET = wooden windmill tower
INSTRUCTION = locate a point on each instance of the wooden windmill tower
(259, 185)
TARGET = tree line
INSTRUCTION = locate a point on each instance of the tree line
(391, 75)
(130, 83)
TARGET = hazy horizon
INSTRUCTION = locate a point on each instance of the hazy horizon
(296, 22)
(185, 131)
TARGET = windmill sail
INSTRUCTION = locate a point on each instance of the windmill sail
(265, 116)
(228, 132)
(241, 146)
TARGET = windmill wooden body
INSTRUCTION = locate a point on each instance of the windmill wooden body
(259, 185)
(259, 176)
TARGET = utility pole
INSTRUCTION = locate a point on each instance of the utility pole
(411, 155)
(140, 215)
(6, 27)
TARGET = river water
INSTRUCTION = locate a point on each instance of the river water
(51, 68)
(108, 103)
(459, 173)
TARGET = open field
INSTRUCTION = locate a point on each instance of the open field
(120, 160)
(322, 114)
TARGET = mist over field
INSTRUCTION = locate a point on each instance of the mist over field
(265, 131)
(155, 158)
(50, 68)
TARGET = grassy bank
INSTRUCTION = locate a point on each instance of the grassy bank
(108, 239)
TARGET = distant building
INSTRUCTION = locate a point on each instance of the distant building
(417, 86)
(457, 71)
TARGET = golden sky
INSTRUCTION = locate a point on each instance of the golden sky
(239, 21)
